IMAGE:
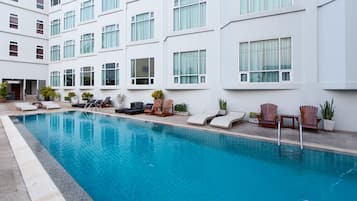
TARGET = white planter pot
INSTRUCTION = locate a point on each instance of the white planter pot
(253, 120)
(329, 125)
(222, 112)
(182, 113)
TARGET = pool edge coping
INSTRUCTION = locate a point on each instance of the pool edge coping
(39, 184)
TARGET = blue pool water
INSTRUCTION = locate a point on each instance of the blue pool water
(125, 160)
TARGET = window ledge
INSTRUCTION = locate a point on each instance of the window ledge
(110, 50)
(87, 22)
(56, 88)
(269, 13)
(69, 30)
(189, 32)
(263, 86)
(69, 59)
(86, 87)
(110, 87)
(55, 62)
(55, 36)
(69, 88)
(187, 87)
(348, 85)
(142, 42)
(108, 12)
(87, 55)
(141, 87)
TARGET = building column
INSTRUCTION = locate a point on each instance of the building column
(37, 88)
(24, 90)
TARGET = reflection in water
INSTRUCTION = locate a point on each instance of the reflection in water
(68, 125)
(110, 136)
(54, 121)
(86, 131)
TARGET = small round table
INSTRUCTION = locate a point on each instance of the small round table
(287, 116)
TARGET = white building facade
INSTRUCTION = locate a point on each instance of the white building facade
(249, 52)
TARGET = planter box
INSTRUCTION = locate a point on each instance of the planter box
(182, 113)
(328, 125)
(253, 120)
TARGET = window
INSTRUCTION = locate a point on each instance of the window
(55, 2)
(13, 49)
(55, 53)
(87, 10)
(190, 67)
(189, 14)
(39, 52)
(109, 5)
(255, 6)
(265, 61)
(110, 74)
(69, 20)
(69, 78)
(39, 4)
(55, 79)
(87, 43)
(68, 49)
(14, 21)
(87, 76)
(55, 27)
(142, 26)
(39, 26)
(110, 36)
(142, 71)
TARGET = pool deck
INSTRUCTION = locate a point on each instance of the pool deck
(13, 185)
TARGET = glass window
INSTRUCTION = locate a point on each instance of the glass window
(110, 74)
(55, 2)
(69, 20)
(190, 67)
(13, 49)
(69, 78)
(39, 26)
(189, 14)
(265, 61)
(255, 6)
(55, 79)
(55, 53)
(39, 52)
(142, 26)
(55, 27)
(109, 5)
(87, 76)
(68, 49)
(87, 43)
(14, 21)
(39, 4)
(142, 71)
(110, 36)
(87, 10)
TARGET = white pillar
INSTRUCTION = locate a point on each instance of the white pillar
(24, 90)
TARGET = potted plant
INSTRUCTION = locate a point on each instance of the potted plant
(86, 96)
(327, 112)
(69, 96)
(48, 93)
(253, 118)
(157, 94)
(3, 92)
(222, 106)
(121, 98)
(181, 109)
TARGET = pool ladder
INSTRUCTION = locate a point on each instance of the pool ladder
(300, 135)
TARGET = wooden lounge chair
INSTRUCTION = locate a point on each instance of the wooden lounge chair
(227, 120)
(268, 116)
(201, 119)
(157, 106)
(308, 118)
(167, 110)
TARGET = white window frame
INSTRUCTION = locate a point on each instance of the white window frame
(40, 4)
(67, 72)
(15, 18)
(38, 24)
(69, 15)
(56, 48)
(55, 2)
(83, 72)
(202, 78)
(281, 71)
(90, 6)
(116, 2)
(134, 78)
(177, 5)
(57, 75)
(83, 41)
(250, 10)
(116, 73)
(13, 53)
(105, 32)
(39, 55)
(55, 24)
(135, 22)
(69, 44)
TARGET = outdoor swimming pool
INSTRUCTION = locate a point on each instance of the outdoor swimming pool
(115, 158)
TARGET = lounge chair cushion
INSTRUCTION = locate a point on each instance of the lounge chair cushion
(228, 120)
(201, 119)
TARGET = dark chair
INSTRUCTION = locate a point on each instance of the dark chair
(268, 116)
(106, 102)
(308, 118)
(148, 107)
(135, 108)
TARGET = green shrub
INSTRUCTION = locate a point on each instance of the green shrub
(222, 104)
(180, 107)
(67, 98)
(327, 110)
(3, 90)
(48, 93)
(252, 115)
(86, 95)
(157, 94)
(71, 94)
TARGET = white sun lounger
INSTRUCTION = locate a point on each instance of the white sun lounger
(227, 120)
(201, 119)
(50, 105)
(25, 106)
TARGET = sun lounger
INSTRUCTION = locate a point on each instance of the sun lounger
(50, 105)
(201, 119)
(227, 120)
(25, 106)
